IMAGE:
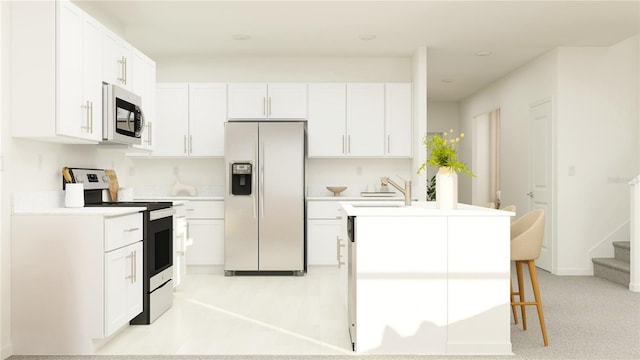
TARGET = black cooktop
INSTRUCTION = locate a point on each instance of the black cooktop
(150, 205)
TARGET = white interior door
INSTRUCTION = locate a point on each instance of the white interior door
(540, 170)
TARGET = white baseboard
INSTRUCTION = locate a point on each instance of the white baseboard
(6, 351)
(574, 272)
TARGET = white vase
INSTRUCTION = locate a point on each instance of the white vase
(446, 188)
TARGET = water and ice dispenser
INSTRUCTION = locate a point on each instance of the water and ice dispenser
(241, 175)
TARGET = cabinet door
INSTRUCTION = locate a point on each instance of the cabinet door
(143, 83)
(287, 101)
(172, 120)
(247, 101)
(365, 120)
(123, 286)
(92, 78)
(327, 120)
(179, 245)
(207, 242)
(207, 114)
(72, 113)
(323, 238)
(398, 120)
(116, 60)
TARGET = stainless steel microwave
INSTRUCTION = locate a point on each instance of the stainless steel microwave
(122, 117)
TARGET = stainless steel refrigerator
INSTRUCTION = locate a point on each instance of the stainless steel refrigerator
(264, 219)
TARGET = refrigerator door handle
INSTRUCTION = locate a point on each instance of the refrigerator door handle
(262, 182)
(253, 182)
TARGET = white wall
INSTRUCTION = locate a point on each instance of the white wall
(443, 115)
(597, 124)
(512, 94)
(595, 100)
(210, 172)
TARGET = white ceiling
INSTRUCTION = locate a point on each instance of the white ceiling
(453, 31)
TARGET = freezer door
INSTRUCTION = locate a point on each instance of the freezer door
(281, 196)
(241, 211)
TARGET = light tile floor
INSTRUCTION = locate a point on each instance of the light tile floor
(245, 315)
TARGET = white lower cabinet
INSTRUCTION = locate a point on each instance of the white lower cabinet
(179, 244)
(75, 278)
(205, 232)
(123, 286)
(325, 242)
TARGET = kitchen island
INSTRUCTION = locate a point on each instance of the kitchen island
(428, 281)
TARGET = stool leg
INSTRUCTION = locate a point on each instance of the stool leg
(523, 309)
(536, 293)
(513, 307)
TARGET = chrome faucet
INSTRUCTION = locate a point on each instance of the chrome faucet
(406, 190)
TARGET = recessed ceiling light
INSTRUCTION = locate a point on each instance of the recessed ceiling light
(483, 53)
(448, 81)
(241, 37)
(366, 37)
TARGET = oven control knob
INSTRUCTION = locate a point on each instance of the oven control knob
(105, 178)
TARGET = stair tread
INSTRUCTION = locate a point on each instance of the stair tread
(613, 263)
(622, 244)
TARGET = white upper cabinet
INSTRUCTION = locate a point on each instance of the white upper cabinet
(327, 120)
(398, 120)
(248, 101)
(55, 62)
(172, 120)
(365, 120)
(143, 83)
(190, 120)
(360, 120)
(207, 115)
(116, 60)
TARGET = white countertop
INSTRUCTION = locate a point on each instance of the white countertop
(355, 198)
(83, 211)
(181, 198)
(417, 208)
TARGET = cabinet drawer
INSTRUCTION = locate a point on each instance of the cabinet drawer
(122, 230)
(323, 210)
(205, 210)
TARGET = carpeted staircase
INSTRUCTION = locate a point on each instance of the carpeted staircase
(618, 268)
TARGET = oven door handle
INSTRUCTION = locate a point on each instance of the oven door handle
(162, 213)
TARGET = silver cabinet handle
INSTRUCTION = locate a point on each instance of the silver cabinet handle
(343, 145)
(149, 134)
(135, 266)
(338, 246)
(264, 106)
(181, 251)
(185, 143)
(388, 144)
(269, 107)
(190, 144)
(254, 184)
(348, 144)
(87, 110)
(132, 257)
(91, 112)
(131, 229)
(125, 70)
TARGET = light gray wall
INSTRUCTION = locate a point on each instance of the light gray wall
(597, 126)
(595, 99)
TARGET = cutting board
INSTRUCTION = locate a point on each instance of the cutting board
(113, 184)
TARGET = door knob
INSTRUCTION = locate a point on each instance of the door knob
(530, 194)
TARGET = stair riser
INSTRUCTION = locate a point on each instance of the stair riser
(610, 274)
(622, 254)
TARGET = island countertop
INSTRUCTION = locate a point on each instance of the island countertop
(417, 208)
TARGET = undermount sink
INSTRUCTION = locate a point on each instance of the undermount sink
(377, 205)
